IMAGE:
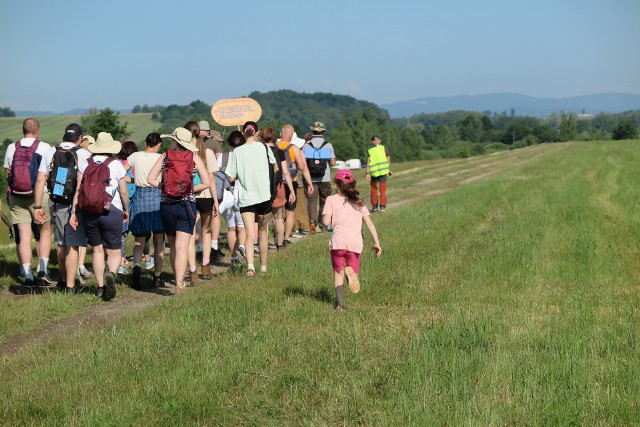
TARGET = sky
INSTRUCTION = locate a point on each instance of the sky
(61, 55)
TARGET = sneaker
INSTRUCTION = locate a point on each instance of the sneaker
(352, 277)
(135, 278)
(373, 209)
(383, 208)
(148, 265)
(84, 272)
(109, 286)
(273, 246)
(29, 282)
(286, 243)
(242, 252)
(122, 270)
(312, 228)
(217, 254)
(256, 248)
(44, 278)
(235, 260)
(296, 235)
(157, 282)
(79, 279)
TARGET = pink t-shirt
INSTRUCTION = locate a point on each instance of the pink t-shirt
(346, 221)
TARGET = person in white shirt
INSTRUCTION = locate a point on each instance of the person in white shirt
(23, 209)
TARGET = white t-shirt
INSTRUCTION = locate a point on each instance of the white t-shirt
(141, 163)
(43, 147)
(117, 173)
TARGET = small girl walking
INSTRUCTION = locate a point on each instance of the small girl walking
(345, 212)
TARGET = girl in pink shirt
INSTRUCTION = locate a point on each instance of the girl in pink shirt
(345, 212)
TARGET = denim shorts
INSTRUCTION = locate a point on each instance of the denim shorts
(178, 215)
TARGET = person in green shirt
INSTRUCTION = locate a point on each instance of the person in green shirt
(378, 163)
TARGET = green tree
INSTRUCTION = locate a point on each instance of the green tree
(470, 129)
(625, 129)
(104, 121)
(567, 127)
(7, 112)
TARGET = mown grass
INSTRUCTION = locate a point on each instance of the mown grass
(512, 300)
(52, 127)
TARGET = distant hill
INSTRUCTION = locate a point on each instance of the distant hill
(74, 112)
(522, 104)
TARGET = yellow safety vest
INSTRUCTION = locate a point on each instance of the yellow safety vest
(378, 164)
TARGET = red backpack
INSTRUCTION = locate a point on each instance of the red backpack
(177, 175)
(24, 169)
(93, 197)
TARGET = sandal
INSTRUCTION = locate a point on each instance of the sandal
(352, 277)
(251, 273)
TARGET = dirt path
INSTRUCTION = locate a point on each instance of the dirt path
(104, 314)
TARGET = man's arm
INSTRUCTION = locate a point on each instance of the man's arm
(38, 192)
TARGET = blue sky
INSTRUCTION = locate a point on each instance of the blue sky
(62, 55)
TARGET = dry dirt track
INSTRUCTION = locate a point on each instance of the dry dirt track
(424, 182)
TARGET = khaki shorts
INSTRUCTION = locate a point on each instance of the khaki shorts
(23, 212)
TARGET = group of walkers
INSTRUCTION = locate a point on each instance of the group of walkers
(95, 192)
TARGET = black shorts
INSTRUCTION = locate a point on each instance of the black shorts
(291, 206)
(178, 215)
(103, 229)
(258, 209)
(204, 205)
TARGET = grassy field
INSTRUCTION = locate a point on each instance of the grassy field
(52, 127)
(511, 298)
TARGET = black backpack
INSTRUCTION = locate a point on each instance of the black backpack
(63, 175)
(317, 167)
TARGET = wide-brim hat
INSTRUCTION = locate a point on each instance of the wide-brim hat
(318, 127)
(105, 144)
(183, 137)
(204, 125)
(216, 135)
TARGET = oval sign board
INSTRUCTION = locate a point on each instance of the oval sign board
(236, 111)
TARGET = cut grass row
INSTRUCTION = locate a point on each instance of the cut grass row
(508, 301)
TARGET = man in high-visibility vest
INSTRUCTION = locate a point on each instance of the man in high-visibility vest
(378, 163)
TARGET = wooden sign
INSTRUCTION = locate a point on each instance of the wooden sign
(236, 111)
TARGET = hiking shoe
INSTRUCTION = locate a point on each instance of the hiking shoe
(352, 277)
(286, 242)
(242, 251)
(217, 254)
(29, 282)
(71, 291)
(44, 278)
(148, 265)
(109, 286)
(312, 228)
(157, 282)
(206, 272)
(135, 278)
(100, 292)
(61, 286)
(193, 278)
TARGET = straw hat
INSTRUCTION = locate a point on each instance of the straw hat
(183, 137)
(105, 144)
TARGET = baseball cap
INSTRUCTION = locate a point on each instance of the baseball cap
(72, 133)
(344, 175)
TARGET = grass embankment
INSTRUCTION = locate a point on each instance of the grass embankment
(52, 127)
(513, 300)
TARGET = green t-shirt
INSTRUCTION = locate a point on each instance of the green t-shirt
(249, 166)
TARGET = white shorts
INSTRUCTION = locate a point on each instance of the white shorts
(233, 217)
